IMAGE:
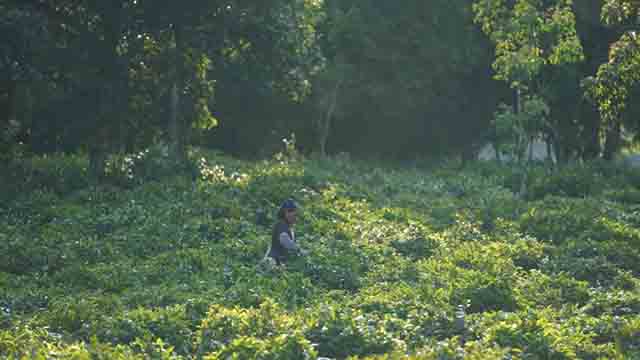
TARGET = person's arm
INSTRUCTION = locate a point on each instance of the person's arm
(287, 242)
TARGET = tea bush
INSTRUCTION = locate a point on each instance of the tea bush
(265, 332)
(165, 262)
(171, 324)
(59, 174)
(29, 343)
(537, 289)
(574, 181)
(344, 332)
(546, 334)
(280, 347)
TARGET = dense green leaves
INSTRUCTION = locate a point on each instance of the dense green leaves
(532, 38)
(359, 76)
(528, 35)
(404, 263)
(612, 86)
(615, 80)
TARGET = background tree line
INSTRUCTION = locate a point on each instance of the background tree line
(368, 77)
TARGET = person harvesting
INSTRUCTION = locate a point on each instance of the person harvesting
(283, 240)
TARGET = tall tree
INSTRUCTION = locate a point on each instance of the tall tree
(24, 41)
(264, 38)
(405, 75)
(269, 57)
(530, 37)
(85, 69)
(615, 80)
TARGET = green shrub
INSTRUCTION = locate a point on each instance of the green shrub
(333, 264)
(60, 174)
(525, 251)
(492, 204)
(455, 349)
(536, 289)
(613, 303)
(245, 287)
(480, 275)
(628, 338)
(78, 314)
(45, 251)
(571, 181)
(627, 195)
(343, 332)
(285, 346)
(477, 291)
(542, 334)
(415, 247)
(403, 263)
(596, 269)
(149, 164)
(236, 330)
(388, 267)
(559, 219)
(25, 342)
(399, 300)
(443, 212)
(598, 262)
(22, 295)
(171, 324)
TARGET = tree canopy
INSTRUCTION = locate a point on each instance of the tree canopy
(361, 76)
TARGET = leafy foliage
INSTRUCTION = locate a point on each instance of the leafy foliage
(404, 263)
(528, 35)
(514, 131)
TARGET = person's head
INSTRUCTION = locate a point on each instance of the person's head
(288, 211)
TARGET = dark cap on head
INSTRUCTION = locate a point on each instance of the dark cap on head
(289, 204)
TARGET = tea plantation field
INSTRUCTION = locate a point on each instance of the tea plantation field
(416, 263)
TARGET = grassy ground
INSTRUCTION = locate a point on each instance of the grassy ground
(431, 263)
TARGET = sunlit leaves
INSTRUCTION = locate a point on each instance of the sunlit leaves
(164, 270)
(529, 35)
(513, 130)
(620, 11)
(615, 79)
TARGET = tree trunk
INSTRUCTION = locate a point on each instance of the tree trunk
(6, 120)
(324, 120)
(553, 145)
(98, 152)
(9, 113)
(497, 151)
(97, 160)
(469, 154)
(323, 135)
(324, 123)
(613, 141)
(26, 113)
(99, 139)
(12, 95)
(176, 127)
(112, 97)
(121, 99)
(521, 146)
(549, 158)
(592, 148)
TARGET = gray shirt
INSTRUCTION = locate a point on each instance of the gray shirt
(287, 242)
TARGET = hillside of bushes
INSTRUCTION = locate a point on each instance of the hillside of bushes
(418, 262)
